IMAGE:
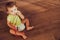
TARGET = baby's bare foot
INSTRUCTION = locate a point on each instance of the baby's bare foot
(24, 37)
(30, 28)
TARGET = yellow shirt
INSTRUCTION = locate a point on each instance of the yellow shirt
(14, 19)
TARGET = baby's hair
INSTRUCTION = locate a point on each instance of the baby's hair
(10, 4)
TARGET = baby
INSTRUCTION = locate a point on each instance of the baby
(16, 20)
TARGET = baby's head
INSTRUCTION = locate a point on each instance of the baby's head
(11, 7)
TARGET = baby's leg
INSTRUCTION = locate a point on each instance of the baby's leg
(26, 21)
(18, 33)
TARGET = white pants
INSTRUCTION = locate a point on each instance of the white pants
(21, 27)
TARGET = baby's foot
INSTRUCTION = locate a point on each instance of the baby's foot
(30, 28)
(24, 37)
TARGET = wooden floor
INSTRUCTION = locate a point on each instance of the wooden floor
(43, 15)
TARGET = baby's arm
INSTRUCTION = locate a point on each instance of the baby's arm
(21, 15)
(11, 26)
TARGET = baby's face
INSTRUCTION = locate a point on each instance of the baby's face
(12, 10)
